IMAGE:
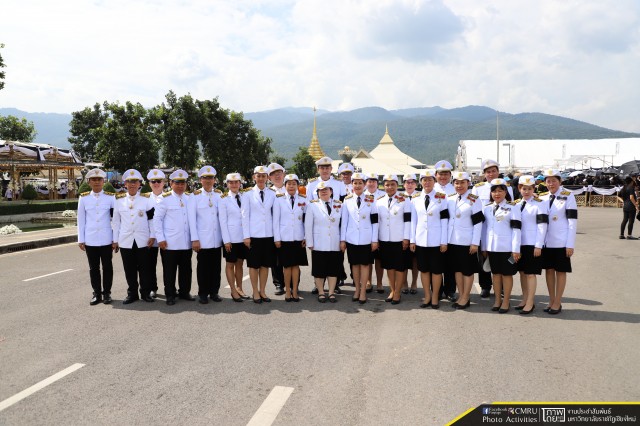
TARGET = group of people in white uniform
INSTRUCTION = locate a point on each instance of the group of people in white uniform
(447, 227)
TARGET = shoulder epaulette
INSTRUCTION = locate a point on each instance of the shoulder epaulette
(442, 194)
(415, 194)
(511, 203)
(480, 183)
(489, 203)
(543, 193)
(246, 189)
(471, 196)
(312, 180)
(519, 200)
(450, 195)
(337, 201)
(279, 195)
(302, 196)
(537, 199)
(314, 201)
(224, 195)
(271, 188)
(145, 194)
(121, 195)
(109, 193)
(166, 194)
(565, 193)
(217, 190)
(197, 192)
(348, 196)
(380, 197)
(85, 193)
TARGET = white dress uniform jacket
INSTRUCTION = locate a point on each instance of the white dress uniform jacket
(483, 191)
(203, 211)
(429, 226)
(535, 219)
(94, 218)
(465, 219)
(230, 217)
(339, 189)
(394, 219)
(257, 218)
(155, 200)
(501, 230)
(288, 222)
(359, 224)
(171, 221)
(133, 220)
(448, 189)
(321, 229)
(563, 219)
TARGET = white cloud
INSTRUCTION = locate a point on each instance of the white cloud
(573, 58)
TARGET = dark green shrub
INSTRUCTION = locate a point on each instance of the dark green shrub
(29, 193)
(37, 207)
(84, 188)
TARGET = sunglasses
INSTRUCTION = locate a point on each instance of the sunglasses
(155, 181)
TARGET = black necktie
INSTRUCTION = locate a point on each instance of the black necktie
(495, 209)
(523, 204)
(390, 200)
(291, 202)
(238, 200)
(358, 202)
(427, 199)
(553, 197)
(459, 197)
(328, 207)
(262, 196)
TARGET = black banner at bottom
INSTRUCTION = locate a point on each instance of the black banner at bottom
(547, 413)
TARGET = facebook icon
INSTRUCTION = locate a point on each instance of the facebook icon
(485, 410)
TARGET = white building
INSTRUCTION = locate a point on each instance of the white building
(529, 155)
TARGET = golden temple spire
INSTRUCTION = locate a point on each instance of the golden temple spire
(314, 147)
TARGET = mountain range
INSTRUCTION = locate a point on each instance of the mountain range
(427, 134)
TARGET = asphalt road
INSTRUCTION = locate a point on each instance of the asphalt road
(348, 364)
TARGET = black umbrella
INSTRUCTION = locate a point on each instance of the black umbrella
(629, 167)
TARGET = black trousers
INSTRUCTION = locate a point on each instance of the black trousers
(277, 274)
(136, 261)
(208, 271)
(448, 282)
(97, 255)
(152, 262)
(629, 216)
(176, 262)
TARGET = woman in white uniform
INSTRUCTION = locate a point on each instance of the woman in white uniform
(501, 240)
(288, 235)
(534, 217)
(359, 234)
(465, 229)
(561, 238)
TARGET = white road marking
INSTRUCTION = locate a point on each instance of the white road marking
(47, 275)
(35, 388)
(246, 277)
(476, 286)
(271, 406)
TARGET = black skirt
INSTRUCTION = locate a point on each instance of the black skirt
(393, 257)
(528, 263)
(499, 262)
(291, 253)
(430, 259)
(262, 253)
(359, 254)
(238, 251)
(459, 260)
(556, 258)
(326, 263)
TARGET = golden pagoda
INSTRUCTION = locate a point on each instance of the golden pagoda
(314, 147)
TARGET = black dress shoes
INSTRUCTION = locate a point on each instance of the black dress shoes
(369, 290)
(435, 306)
(465, 306)
(388, 299)
(380, 290)
(279, 291)
(425, 305)
(95, 300)
(555, 311)
(238, 300)
(523, 312)
(129, 299)
(203, 299)
(216, 298)
(519, 308)
(171, 301)
(314, 291)
(451, 297)
(362, 302)
(187, 297)
(495, 308)
(148, 299)
(395, 302)
(338, 291)
(265, 299)
(503, 310)
(107, 299)
(485, 293)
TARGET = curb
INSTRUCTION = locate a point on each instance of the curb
(29, 245)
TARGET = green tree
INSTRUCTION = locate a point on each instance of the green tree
(275, 158)
(2, 65)
(303, 164)
(29, 193)
(85, 128)
(181, 122)
(126, 140)
(14, 129)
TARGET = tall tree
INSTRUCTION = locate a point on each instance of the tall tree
(275, 158)
(303, 164)
(181, 122)
(85, 128)
(127, 139)
(15, 129)
(2, 65)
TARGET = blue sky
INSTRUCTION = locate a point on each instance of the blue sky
(574, 58)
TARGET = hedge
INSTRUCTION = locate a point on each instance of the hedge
(10, 208)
